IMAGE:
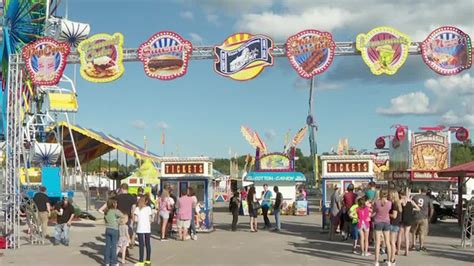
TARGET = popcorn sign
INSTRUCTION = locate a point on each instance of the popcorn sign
(45, 60)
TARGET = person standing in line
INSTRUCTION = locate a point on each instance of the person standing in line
(65, 215)
(354, 230)
(409, 208)
(111, 216)
(253, 209)
(335, 212)
(124, 238)
(143, 217)
(172, 212)
(363, 225)
(395, 221)
(126, 204)
(382, 209)
(277, 208)
(422, 218)
(166, 205)
(192, 227)
(185, 207)
(266, 204)
(349, 199)
(43, 206)
(234, 204)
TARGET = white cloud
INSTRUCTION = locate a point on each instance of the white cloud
(458, 85)
(270, 134)
(187, 15)
(212, 18)
(416, 103)
(162, 125)
(196, 39)
(139, 124)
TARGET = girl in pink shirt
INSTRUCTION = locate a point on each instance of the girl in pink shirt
(382, 209)
(363, 224)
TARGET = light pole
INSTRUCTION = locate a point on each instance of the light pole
(312, 132)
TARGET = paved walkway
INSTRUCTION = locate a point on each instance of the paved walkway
(302, 242)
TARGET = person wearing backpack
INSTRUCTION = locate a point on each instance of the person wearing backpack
(234, 204)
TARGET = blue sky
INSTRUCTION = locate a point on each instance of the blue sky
(202, 111)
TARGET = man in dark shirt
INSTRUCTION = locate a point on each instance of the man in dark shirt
(65, 214)
(126, 203)
(348, 200)
(44, 209)
(234, 204)
(420, 228)
(277, 208)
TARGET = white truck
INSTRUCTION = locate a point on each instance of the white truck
(469, 191)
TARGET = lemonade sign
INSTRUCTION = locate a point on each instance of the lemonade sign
(383, 49)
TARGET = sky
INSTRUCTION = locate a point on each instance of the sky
(202, 111)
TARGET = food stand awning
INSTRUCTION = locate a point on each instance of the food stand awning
(275, 176)
(92, 144)
(460, 171)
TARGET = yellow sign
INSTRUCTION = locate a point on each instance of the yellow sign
(101, 57)
(430, 151)
(383, 49)
(62, 102)
(34, 174)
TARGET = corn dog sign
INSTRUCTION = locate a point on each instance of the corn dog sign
(310, 52)
(383, 49)
(243, 56)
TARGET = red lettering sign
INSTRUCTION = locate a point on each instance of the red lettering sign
(347, 167)
(184, 168)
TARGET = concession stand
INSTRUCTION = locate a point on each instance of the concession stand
(342, 170)
(196, 172)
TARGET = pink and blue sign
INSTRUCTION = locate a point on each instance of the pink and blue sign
(45, 60)
(447, 51)
(310, 52)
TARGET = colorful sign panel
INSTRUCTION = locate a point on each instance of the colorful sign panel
(45, 60)
(310, 52)
(101, 57)
(274, 162)
(380, 143)
(243, 56)
(165, 55)
(462, 134)
(383, 49)
(399, 154)
(184, 168)
(348, 167)
(447, 51)
(430, 151)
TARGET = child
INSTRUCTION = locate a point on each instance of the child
(143, 217)
(354, 230)
(124, 238)
(363, 224)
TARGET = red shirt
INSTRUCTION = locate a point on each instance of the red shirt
(349, 199)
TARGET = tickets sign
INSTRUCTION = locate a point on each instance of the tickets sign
(383, 49)
(310, 52)
(45, 60)
(101, 57)
(243, 56)
(165, 55)
(447, 51)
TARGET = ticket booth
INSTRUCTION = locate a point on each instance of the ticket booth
(195, 172)
(340, 171)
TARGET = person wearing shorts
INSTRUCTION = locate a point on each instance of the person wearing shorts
(363, 225)
(420, 227)
(382, 227)
(166, 205)
(185, 211)
(354, 230)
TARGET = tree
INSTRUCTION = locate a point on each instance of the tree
(462, 153)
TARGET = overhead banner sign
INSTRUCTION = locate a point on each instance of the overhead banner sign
(275, 162)
(430, 151)
(45, 60)
(383, 49)
(165, 55)
(447, 51)
(101, 57)
(243, 56)
(310, 52)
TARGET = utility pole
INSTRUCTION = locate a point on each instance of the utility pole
(312, 132)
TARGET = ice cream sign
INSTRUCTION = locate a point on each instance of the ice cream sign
(383, 49)
(101, 57)
(165, 55)
(243, 56)
(45, 60)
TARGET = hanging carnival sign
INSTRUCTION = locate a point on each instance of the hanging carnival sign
(380, 143)
(462, 134)
(400, 133)
(101, 57)
(310, 52)
(243, 56)
(447, 51)
(383, 49)
(165, 55)
(45, 60)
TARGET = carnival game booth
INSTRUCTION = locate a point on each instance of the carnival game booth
(196, 172)
(340, 171)
(277, 169)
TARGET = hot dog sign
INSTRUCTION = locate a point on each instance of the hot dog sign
(165, 55)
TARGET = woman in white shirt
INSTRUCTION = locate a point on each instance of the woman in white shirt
(143, 217)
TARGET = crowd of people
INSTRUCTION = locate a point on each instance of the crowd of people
(383, 219)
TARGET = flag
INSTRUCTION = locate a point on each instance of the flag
(162, 137)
